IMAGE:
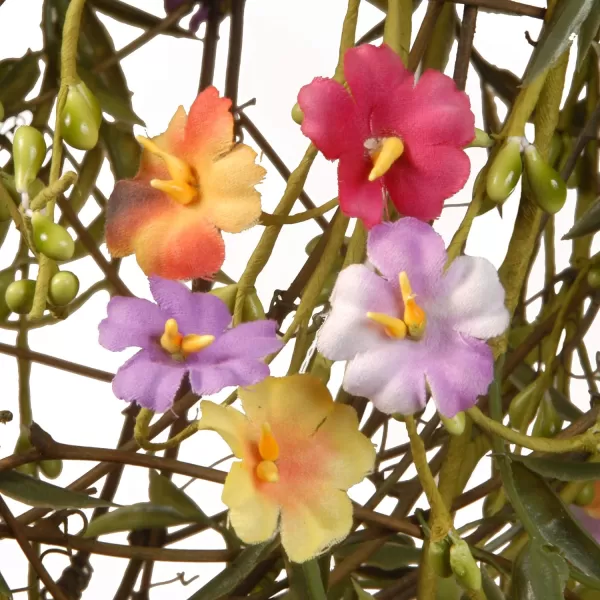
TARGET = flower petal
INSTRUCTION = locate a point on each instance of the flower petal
(256, 339)
(308, 529)
(412, 246)
(331, 120)
(228, 422)
(459, 370)
(473, 298)
(252, 515)
(228, 194)
(379, 83)
(297, 403)
(209, 378)
(131, 322)
(437, 113)
(180, 245)
(347, 330)
(358, 196)
(392, 377)
(349, 455)
(149, 380)
(425, 176)
(195, 313)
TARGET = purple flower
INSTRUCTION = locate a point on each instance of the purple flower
(415, 326)
(183, 333)
(198, 17)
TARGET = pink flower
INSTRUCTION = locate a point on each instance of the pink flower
(390, 136)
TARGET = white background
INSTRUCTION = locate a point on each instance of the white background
(286, 44)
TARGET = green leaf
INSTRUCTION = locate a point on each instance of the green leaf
(587, 33)
(554, 522)
(589, 222)
(143, 515)
(164, 492)
(490, 589)
(539, 573)
(557, 35)
(34, 492)
(20, 77)
(235, 573)
(360, 593)
(556, 468)
(4, 589)
(394, 554)
(123, 150)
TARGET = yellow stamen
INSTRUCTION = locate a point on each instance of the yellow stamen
(171, 338)
(391, 150)
(181, 187)
(414, 316)
(393, 327)
(194, 343)
(267, 445)
(267, 470)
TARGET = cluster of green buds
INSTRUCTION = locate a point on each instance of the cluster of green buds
(51, 468)
(452, 556)
(81, 117)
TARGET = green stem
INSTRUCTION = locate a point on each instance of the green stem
(307, 215)
(49, 194)
(314, 581)
(142, 433)
(398, 24)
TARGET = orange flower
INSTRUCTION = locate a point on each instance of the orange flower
(300, 452)
(193, 182)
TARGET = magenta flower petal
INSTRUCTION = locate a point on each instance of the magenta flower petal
(358, 196)
(330, 118)
(149, 380)
(418, 186)
(202, 314)
(131, 322)
(412, 246)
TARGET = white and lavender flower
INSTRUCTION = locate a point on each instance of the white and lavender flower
(184, 333)
(415, 326)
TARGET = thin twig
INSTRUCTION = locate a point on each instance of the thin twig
(465, 46)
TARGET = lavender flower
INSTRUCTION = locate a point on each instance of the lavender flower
(183, 333)
(415, 326)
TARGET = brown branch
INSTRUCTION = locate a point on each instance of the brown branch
(465, 46)
(506, 7)
(389, 522)
(434, 8)
(211, 39)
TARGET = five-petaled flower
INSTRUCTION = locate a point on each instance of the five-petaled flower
(300, 452)
(183, 333)
(193, 182)
(390, 136)
(416, 326)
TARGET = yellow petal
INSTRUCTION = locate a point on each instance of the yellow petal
(297, 403)
(228, 422)
(307, 530)
(253, 516)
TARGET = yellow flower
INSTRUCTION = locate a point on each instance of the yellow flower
(300, 452)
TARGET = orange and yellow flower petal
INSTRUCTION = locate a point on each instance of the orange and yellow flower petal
(228, 193)
(229, 423)
(294, 406)
(310, 526)
(253, 515)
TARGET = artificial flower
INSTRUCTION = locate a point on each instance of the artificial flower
(300, 452)
(391, 137)
(415, 326)
(184, 333)
(193, 182)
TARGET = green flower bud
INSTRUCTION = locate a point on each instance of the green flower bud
(81, 117)
(481, 140)
(29, 150)
(548, 188)
(519, 406)
(464, 567)
(593, 278)
(227, 294)
(19, 296)
(63, 288)
(547, 423)
(6, 278)
(494, 502)
(22, 446)
(51, 468)
(51, 239)
(297, 114)
(555, 149)
(505, 171)
(454, 425)
(253, 309)
(439, 557)
(586, 494)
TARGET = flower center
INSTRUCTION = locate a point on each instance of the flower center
(384, 153)
(268, 448)
(183, 186)
(414, 320)
(180, 346)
